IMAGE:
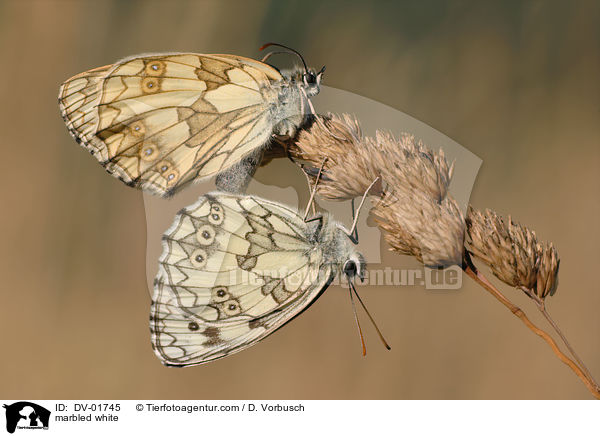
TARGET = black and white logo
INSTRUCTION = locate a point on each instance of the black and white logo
(26, 415)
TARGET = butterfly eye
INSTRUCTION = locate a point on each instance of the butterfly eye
(350, 268)
(309, 78)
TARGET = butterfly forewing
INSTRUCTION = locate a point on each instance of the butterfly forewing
(159, 122)
(233, 270)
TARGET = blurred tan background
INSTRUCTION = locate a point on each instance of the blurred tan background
(517, 83)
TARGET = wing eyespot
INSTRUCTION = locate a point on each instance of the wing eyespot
(150, 85)
(199, 257)
(172, 177)
(155, 68)
(216, 215)
(219, 294)
(164, 166)
(231, 307)
(168, 171)
(137, 129)
(206, 235)
(148, 152)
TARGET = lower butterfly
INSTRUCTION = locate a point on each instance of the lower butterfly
(161, 121)
(236, 268)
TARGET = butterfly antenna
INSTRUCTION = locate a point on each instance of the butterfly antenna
(362, 201)
(268, 55)
(269, 44)
(314, 190)
(386, 345)
(362, 339)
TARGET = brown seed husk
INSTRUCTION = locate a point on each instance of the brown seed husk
(513, 252)
(420, 226)
(348, 171)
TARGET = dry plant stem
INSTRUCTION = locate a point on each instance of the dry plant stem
(542, 308)
(472, 272)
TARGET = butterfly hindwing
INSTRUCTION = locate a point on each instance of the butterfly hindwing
(233, 270)
(161, 121)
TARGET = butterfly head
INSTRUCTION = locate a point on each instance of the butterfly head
(311, 81)
(352, 262)
(307, 78)
(338, 246)
(355, 266)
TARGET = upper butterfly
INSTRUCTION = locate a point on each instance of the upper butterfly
(161, 121)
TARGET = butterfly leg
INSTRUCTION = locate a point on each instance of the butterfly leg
(314, 191)
(353, 231)
(236, 178)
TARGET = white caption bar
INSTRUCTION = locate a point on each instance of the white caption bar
(157, 417)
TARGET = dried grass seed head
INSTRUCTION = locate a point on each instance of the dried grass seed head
(353, 162)
(348, 170)
(410, 166)
(513, 252)
(420, 226)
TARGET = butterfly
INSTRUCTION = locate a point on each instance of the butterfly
(235, 268)
(161, 121)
